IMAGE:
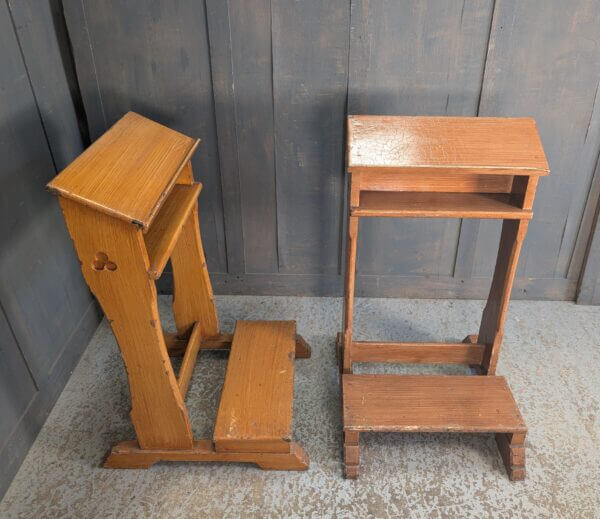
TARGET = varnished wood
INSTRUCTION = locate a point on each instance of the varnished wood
(417, 352)
(439, 167)
(491, 331)
(438, 205)
(351, 454)
(189, 360)
(257, 396)
(166, 228)
(177, 346)
(429, 403)
(110, 196)
(350, 276)
(128, 298)
(512, 451)
(127, 455)
(129, 171)
(482, 145)
(303, 349)
(193, 299)
(523, 191)
(423, 181)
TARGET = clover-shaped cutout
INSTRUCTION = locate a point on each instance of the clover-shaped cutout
(102, 262)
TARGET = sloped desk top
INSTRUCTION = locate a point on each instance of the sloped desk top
(482, 145)
(129, 171)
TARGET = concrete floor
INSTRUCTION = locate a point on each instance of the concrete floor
(551, 357)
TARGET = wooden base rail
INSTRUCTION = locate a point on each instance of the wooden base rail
(417, 352)
(128, 455)
(177, 346)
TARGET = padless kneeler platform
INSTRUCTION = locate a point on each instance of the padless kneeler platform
(439, 167)
(130, 204)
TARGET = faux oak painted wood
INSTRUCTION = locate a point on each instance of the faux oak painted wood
(257, 397)
(190, 270)
(189, 360)
(482, 145)
(120, 263)
(114, 264)
(129, 171)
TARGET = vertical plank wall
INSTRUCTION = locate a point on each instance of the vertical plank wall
(47, 315)
(266, 84)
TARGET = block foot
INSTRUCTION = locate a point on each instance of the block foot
(512, 450)
(351, 454)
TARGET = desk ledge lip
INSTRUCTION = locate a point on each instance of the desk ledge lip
(147, 222)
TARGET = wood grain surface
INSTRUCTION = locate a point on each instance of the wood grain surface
(437, 205)
(128, 171)
(460, 144)
(255, 412)
(429, 403)
(166, 228)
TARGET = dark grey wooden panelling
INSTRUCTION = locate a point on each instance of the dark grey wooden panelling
(543, 62)
(251, 63)
(17, 387)
(153, 58)
(45, 63)
(40, 284)
(414, 58)
(283, 74)
(310, 74)
(47, 314)
(223, 93)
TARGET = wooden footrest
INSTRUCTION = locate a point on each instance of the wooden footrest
(255, 413)
(422, 403)
(430, 404)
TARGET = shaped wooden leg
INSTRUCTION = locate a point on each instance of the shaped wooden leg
(512, 450)
(115, 265)
(491, 330)
(349, 293)
(351, 454)
(193, 299)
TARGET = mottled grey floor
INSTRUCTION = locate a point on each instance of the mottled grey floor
(551, 357)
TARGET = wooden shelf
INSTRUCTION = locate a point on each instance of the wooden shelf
(424, 403)
(412, 204)
(162, 235)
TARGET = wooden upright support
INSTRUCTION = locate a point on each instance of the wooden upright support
(439, 167)
(130, 204)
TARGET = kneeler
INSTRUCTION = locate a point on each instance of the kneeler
(130, 204)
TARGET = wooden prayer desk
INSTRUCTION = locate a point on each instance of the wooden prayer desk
(439, 167)
(130, 204)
